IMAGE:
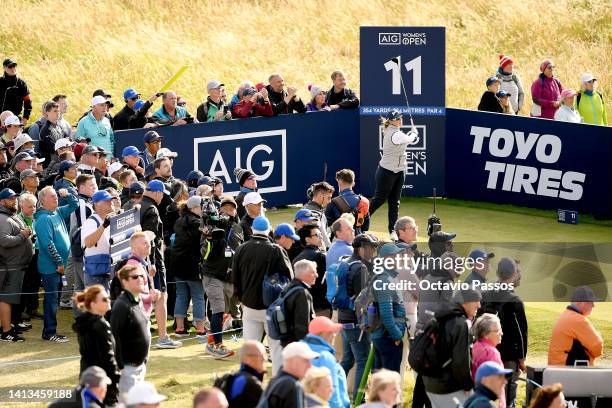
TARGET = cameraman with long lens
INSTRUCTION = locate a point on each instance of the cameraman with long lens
(222, 235)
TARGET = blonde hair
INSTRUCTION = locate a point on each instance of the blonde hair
(84, 299)
(312, 378)
(204, 190)
(381, 380)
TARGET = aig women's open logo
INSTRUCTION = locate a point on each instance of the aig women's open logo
(264, 153)
(416, 153)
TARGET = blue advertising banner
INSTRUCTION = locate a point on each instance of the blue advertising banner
(529, 162)
(287, 153)
(399, 63)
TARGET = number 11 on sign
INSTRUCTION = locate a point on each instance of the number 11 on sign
(413, 65)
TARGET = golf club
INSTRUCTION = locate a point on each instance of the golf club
(396, 60)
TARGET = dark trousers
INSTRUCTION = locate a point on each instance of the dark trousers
(512, 385)
(171, 281)
(30, 288)
(387, 354)
(419, 395)
(388, 188)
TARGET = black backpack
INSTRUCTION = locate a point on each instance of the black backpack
(224, 383)
(428, 355)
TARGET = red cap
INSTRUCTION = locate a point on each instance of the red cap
(260, 86)
(322, 324)
(78, 150)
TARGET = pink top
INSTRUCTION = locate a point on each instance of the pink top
(482, 351)
(146, 296)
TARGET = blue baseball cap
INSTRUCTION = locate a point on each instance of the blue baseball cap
(130, 151)
(204, 180)
(389, 249)
(130, 93)
(502, 94)
(138, 104)
(261, 224)
(492, 79)
(157, 186)
(490, 368)
(65, 165)
(101, 195)
(194, 175)
(393, 115)
(151, 136)
(305, 215)
(7, 193)
(286, 230)
(479, 253)
(137, 188)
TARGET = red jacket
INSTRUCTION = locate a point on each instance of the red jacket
(248, 109)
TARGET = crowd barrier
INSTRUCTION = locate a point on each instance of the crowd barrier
(485, 156)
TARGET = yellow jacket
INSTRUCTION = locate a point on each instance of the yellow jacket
(571, 326)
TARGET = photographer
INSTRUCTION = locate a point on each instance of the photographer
(185, 261)
(222, 236)
(252, 104)
(95, 238)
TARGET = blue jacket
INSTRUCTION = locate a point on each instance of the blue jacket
(337, 250)
(390, 308)
(99, 131)
(327, 358)
(71, 187)
(53, 239)
(162, 114)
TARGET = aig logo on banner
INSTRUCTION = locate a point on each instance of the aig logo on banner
(264, 153)
(389, 39)
(416, 153)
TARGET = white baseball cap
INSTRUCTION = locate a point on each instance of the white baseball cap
(299, 349)
(165, 152)
(63, 142)
(144, 393)
(587, 77)
(116, 166)
(22, 139)
(12, 120)
(98, 99)
(253, 198)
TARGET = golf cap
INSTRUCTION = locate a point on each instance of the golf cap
(12, 120)
(130, 151)
(502, 94)
(287, 231)
(89, 149)
(587, 77)
(305, 215)
(115, 167)
(63, 142)
(248, 91)
(299, 349)
(323, 324)
(479, 253)
(204, 180)
(441, 236)
(567, 93)
(137, 188)
(94, 376)
(9, 62)
(261, 224)
(101, 92)
(151, 136)
(22, 139)
(492, 80)
(82, 139)
(365, 239)
(393, 115)
(506, 267)
(65, 165)
(490, 368)
(27, 173)
(194, 201)
(165, 152)
(7, 193)
(253, 198)
(21, 156)
(584, 294)
(143, 393)
(194, 175)
(130, 93)
(97, 100)
(101, 195)
(214, 84)
(157, 186)
(228, 200)
(389, 249)
(138, 104)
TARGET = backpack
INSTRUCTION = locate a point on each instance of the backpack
(272, 286)
(225, 383)
(580, 94)
(366, 308)
(276, 315)
(263, 401)
(428, 354)
(360, 211)
(336, 277)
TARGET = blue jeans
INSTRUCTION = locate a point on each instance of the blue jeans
(183, 291)
(387, 354)
(355, 351)
(103, 280)
(51, 284)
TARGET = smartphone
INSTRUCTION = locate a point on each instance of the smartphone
(159, 94)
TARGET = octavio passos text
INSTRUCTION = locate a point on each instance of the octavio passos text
(517, 178)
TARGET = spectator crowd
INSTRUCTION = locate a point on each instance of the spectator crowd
(306, 287)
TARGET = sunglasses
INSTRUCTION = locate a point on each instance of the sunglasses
(135, 98)
(182, 103)
(135, 277)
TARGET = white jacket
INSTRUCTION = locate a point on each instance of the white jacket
(567, 114)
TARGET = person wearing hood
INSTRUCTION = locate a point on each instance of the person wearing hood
(590, 103)
(510, 83)
(545, 92)
(387, 338)
(321, 335)
(455, 380)
(96, 342)
(567, 112)
(385, 390)
(391, 170)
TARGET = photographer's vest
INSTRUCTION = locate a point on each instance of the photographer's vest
(394, 156)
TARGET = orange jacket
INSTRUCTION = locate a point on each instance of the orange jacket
(573, 325)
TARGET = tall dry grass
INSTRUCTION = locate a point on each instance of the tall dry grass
(76, 46)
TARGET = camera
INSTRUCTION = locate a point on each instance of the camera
(211, 219)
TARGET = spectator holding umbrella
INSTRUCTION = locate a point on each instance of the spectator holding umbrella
(545, 92)
(566, 111)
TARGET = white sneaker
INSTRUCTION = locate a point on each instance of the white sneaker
(393, 236)
(168, 343)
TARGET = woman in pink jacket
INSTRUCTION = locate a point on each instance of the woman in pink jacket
(488, 333)
(545, 92)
